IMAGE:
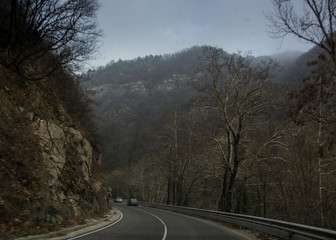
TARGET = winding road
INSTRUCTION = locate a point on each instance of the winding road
(147, 223)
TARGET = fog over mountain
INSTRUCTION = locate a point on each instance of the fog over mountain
(132, 95)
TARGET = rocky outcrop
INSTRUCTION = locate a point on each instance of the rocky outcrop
(50, 170)
(66, 154)
(55, 141)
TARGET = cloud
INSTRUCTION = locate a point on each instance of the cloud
(137, 28)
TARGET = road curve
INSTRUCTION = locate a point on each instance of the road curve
(147, 223)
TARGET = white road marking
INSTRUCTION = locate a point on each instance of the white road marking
(94, 231)
(165, 226)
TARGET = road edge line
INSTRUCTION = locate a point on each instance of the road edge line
(99, 229)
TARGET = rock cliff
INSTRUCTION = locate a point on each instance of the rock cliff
(50, 172)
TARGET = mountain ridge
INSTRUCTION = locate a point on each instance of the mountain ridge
(131, 94)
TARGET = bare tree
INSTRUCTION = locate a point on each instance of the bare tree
(314, 110)
(62, 33)
(315, 23)
(315, 103)
(232, 89)
(179, 138)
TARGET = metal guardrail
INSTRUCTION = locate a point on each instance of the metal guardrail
(281, 229)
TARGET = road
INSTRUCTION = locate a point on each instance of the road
(147, 223)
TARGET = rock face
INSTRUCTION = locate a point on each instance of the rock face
(55, 141)
(50, 171)
(61, 147)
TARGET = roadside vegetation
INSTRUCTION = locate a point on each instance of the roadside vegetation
(42, 45)
(244, 140)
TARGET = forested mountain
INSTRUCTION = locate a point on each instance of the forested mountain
(204, 128)
(199, 128)
(131, 96)
(294, 66)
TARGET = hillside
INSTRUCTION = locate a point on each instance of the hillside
(51, 173)
(233, 145)
(294, 67)
(50, 168)
(132, 95)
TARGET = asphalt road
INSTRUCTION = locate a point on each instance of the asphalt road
(147, 223)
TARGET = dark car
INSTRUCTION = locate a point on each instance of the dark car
(132, 202)
(118, 200)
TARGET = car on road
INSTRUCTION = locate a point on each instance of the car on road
(118, 200)
(132, 202)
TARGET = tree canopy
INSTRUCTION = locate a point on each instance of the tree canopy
(62, 33)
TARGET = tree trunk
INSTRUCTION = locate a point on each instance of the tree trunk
(168, 188)
(222, 198)
(320, 156)
(234, 172)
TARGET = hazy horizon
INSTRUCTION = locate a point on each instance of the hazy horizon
(135, 28)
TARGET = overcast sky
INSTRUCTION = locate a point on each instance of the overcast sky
(134, 28)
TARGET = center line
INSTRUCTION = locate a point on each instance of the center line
(165, 227)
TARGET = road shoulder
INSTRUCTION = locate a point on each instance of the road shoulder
(72, 232)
